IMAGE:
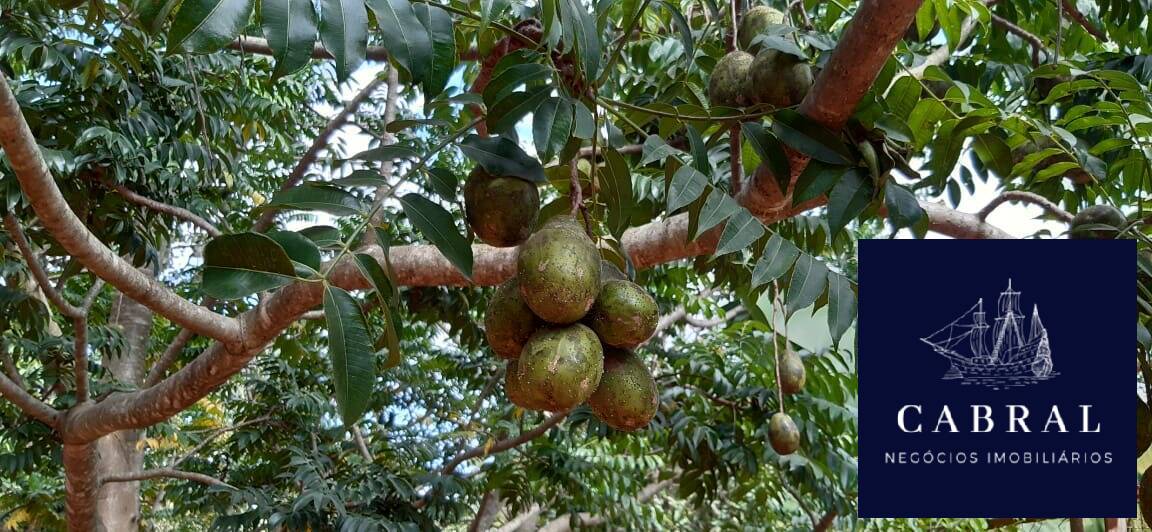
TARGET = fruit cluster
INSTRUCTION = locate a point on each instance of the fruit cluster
(567, 323)
(754, 75)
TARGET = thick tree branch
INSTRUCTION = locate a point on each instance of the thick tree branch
(10, 368)
(171, 210)
(504, 445)
(28, 404)
(1071, 10)
(1032, 40)
(825, 521)
(1025, 197)
(958, 224)
(150, 474)
(318, 145)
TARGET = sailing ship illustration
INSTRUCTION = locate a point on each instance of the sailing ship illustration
(1013, 353)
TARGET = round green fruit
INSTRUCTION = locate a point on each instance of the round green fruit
(1097, 215)
(559, 273)
(627, 397)
(779, 79)
(515, 390)
(564, 221)
(791, 373)
(755, 21)
(609, 272)
(1143, 426)
(560, 367)
(783, 434)
(624, 315)
(729, 84)
(501, 210)
(509, 322)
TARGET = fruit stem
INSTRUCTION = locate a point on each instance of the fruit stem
(775, 346)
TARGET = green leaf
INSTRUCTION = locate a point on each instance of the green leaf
(205, 26)
(580, 28)
(387, 153)
(717, 209)
(324, 236)
(994, 153)
(290, 28)
(584, 125)
(810, 138)
(350, 350)
(656, 150)
(816, 180)
(903, 208)
(616, 191)
(687, 185)
(318, 197)
(361, 178)
(437, 226)
(501, 156)
(298, 247)
(153, 13)
(683, 28)
(779, 255)
(848, 199)
(741, 231)
(443, 182)
(405, 37)
(841, 305)
(903, 95)
(503, 117)
(439, 25)
(387, 293)
(807, 283)
(344, 32)
(552, 126)
(510, 73)
(242, 264)
(699, 150)
(771, 152)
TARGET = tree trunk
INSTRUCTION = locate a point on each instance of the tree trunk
(118, 503)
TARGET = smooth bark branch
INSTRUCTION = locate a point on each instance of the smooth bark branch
(149, 474)
(958, 224)
(171, 210)
(56, 216)
(504, 445)
(80, 484)
(1071, 10)
(10, 368)
(318, 145)
(169, 357)
(12, 225)
(28, 404)
(1025, 197)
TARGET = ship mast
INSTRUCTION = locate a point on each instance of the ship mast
(976, 339)
(1006, 323)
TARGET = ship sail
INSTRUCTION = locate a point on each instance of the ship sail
(949, 337)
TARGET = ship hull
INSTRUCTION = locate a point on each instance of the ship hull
(1021, 368)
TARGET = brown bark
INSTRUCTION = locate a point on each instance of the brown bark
(80, 485)
(490, 506)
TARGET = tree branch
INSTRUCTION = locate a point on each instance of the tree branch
(149, 474)
(1071, 10)
(1034, 41)
(958, 224)
(259, 46)
(215, 434)
(585, 519)
(10, 368)
(28, 404)
(504, 445)
(171, 353)
(318, 145)
(1025, 197)
(941, 54)
(12, 225)
(360, 444)
(825, 521)
(171, 210)
(1001, 522)
(57, 217)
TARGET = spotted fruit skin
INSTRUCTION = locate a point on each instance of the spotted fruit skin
(779, 79)
(501, 210)
(624, 314)
(515, 390)
(559, 274)
(792, 374)
(627, 397)
(729, 84)
(508, 322)
(560, 367)
(783, 434)
(755, 21)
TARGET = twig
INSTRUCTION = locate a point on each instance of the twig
(575, 192)
(1025, 197)
(171, 210)
(708, 324)
(1034, 41)
(38, 272)
(192, 452)
(1071, 10)
(360, 444)
(800, 500)
(504, 445)
(171, 353)
(734, 157)
(318, 145)
(149, 474)
(80, 354)
(10, 367)
(941, 54)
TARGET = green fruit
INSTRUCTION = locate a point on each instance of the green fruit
(515, 390)
(609, 271)
(729, 84)
(791, 373)
(624, 314)
(779, 79)
(564, 221)
(560, 367)
(1097, 214)
(559, 273)
(627, 396)
(1143, 426)
(1146, 496)
(783, 434)
(755, 21)
(508, 323)
(501, 210)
